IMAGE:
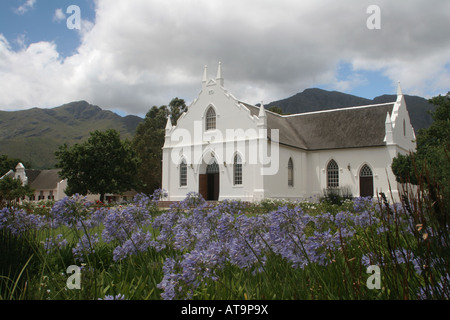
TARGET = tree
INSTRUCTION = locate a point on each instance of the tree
(103, 164)
(176, 109)
(11, 189)
(7, 164)
(431, 161)
(276, 110)
(149, 140)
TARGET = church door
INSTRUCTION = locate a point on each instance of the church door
(203, 186)
(209, 183)
(366, 182)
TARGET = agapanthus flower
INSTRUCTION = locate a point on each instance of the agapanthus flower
(51, 244)
(19, 222)
(85, 247)
(116, 297)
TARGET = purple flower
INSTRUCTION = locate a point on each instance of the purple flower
(85, 247)
(19, 222)
(119, 224)
(51, 244)
(140, 241)
(116, 297)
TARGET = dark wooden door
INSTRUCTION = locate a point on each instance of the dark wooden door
(203, 185)
(216, 187)
(213, 187)
(366, 186)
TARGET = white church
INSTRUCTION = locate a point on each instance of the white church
(224, 148)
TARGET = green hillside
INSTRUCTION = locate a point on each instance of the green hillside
(34, 135)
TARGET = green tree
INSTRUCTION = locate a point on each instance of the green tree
(103, 164)
(431, 161)
(149, 140)
(11, 189)
(176, 109)
(276, 110)
(7, 164)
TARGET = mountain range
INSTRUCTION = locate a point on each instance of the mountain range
(34, 135)
(317, 100)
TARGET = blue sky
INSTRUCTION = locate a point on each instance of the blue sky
(38, 23)
(130, 55)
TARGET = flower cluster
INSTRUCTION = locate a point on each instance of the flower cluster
(203, 239)
(53, 244)
(85, 247)
(19, 222)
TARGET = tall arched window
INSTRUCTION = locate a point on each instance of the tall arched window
(183, 173)
(210, 119)
(237, 170)
(290, 173)
(332, 174)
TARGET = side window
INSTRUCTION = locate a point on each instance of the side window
(237, 170)
(290, 173)
(332, 174)
(183, 173)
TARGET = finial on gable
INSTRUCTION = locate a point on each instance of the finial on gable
(169, 123)
(205, 74)
(262, 110)
(219, 77)
(399, 89)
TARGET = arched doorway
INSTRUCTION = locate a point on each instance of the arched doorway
(366, 181)
(209, 182)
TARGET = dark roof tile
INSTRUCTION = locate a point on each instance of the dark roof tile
(332, 129)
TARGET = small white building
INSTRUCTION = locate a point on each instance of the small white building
(47, 184)
(224, 148)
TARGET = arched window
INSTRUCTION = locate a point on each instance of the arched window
(237, 170)
(332, 174)
(212, 167)
(366, 171)
(290, 173)
(183, 173)
(210, 119)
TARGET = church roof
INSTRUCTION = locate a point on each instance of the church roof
(353, 127)
(43, 179)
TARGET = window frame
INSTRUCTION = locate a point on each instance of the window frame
(332, 174)
(290, 172)
(183, 174)
(237, 170)
(210, 119)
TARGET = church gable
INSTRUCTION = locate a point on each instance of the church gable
(224, 110)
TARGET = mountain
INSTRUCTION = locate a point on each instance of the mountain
(34, 135)
(317, 100)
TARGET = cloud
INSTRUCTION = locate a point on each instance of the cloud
(141, 53)
(28, 5)
(59, 15)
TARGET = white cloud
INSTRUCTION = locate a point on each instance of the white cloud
(59, 15)
(28, 5)
(141, 53)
